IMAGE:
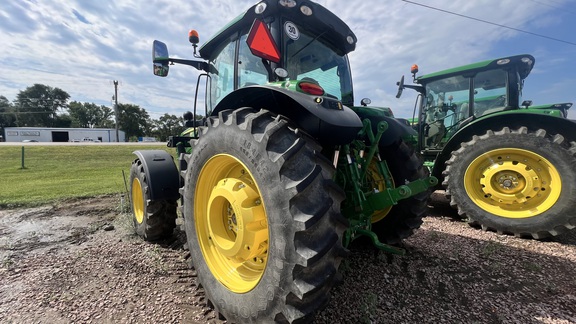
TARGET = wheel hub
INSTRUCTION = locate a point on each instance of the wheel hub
(509, 183)
(239, 235)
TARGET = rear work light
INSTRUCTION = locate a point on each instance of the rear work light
(311, 88)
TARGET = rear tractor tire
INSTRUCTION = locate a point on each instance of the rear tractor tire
(515, 182)
(262, 218)
(153, 219)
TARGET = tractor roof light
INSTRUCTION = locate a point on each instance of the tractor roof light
(261, 7)
(350, 39)
(307, 11)
(414, 69)
(311, 88)
(503, 61)
(287, 3)
(527, 60)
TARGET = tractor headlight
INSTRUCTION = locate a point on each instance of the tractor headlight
(260, 8)
(527, 60)
(350, 39)
(287, 3)
(307, 11)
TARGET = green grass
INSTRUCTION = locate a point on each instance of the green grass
(54, 173)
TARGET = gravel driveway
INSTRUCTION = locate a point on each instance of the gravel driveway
(78, 262)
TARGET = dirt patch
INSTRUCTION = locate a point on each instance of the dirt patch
(79, 261)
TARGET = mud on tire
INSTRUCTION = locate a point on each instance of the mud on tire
(262, 218)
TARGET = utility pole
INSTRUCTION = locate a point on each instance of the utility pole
(116, 107)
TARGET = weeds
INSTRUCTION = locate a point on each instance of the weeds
(369, 307)
(490, 248)
(531, 266)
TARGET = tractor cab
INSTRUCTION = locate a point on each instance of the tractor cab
(452, 98)
(287, 45)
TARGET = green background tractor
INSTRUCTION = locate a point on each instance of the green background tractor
(285, 171)
(506, 166)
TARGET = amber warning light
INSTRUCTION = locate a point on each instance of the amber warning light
(193, 37)
(261, 43)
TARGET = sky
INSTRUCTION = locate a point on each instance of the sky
(82, 46)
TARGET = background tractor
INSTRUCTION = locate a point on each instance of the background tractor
(285, 171)
(506, 166)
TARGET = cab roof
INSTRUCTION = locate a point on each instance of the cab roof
(320, 21)
(524, 62)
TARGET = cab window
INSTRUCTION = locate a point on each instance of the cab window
(251, 70)
(223, 80)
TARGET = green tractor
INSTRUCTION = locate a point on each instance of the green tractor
(284, 172)
(506, 166)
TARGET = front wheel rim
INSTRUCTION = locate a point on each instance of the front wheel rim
(377, 184)
(231, 223)
(513, 183)
(137, 201)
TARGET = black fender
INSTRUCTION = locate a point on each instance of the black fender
(324, 118)
(552, 125)
(397, 127)
(162, 175)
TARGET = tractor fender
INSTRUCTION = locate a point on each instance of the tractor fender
(161, 173)
(324, 118)
(552, 124)
(397, 128)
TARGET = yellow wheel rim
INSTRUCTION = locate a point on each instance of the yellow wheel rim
(376, 182)
(231, 223)
(513, 183)
(137, 200)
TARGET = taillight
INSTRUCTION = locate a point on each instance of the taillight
(311, 88)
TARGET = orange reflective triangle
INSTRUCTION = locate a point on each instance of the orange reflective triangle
(261, 43)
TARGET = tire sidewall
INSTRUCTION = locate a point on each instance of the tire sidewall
(225, 139)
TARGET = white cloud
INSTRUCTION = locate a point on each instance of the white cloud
(81, 46)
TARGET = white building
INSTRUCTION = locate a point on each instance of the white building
(43, 134)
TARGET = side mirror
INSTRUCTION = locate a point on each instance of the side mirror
(160, 58)
(365, 102)
(400, 85)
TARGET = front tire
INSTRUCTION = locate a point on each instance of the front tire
(399, 222)
(515, 182)
(152, 219)
(262, 218)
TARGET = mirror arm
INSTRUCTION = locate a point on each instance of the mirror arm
(200, 65)
(418, 88)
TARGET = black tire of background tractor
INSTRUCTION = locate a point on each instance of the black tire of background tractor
(405, 217)
(561, 155)
(153, 219)
(302, 211)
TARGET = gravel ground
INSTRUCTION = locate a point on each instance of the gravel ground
(78, 262)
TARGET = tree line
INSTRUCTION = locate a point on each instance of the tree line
(44, 106)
